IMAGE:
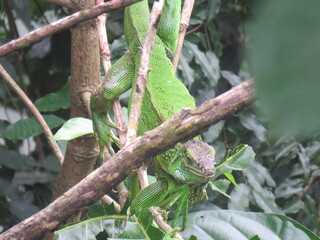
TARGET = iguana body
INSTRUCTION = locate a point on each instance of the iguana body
(184, 170)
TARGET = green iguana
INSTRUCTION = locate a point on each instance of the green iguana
(183, 171)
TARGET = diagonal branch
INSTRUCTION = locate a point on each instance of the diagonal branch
(184, 23)
(67, 22)
(139, 89)
(46, 130)
(182, 126)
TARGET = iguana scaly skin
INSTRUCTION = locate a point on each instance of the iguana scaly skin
(182, 172)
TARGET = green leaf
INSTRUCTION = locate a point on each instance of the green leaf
(51, 163)
(186, 70)
(234, 225)
(293, 205)
(231, 178)
(193, 238)
(249, 121)
(263, 197)
(145, 222)
(213, 132)
(316, 173)
(236, 159)
(213, 9)
(232, 78)
(74, 128)
(284, 53)
(228, 225)
(30, 178)
(13, 160)
(208, 62)
(289, 187)
(88, 229)
(54, 101)
(221, 186)
(102, 218)
(239, 198)
(100, 210)
(256, 237)
(29, 127)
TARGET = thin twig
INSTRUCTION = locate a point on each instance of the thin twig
(139, 89)
(67, 22)
(103, 39)
(184, 23)
(159, 221)
(121, 123)
(306, 188)
(195, 29)
(46, 130)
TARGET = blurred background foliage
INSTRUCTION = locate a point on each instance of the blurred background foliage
(284, 177)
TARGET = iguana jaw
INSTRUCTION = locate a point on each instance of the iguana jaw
(203, 174)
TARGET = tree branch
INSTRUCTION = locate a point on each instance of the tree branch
(184, 23)
(139, 88)
(62, 24)
(182, 126)
(46, 130)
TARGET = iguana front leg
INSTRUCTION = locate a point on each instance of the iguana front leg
(163, 193)
(118, 79)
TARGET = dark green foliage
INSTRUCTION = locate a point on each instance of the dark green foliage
(29, 127)
(206, 225)
(284, 56)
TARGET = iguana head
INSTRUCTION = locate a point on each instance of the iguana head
(194, 164)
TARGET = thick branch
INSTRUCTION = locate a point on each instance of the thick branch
(62, 24)
(46, 130)
(182, 126)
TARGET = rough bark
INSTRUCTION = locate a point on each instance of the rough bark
(85, 77)
(181, 127)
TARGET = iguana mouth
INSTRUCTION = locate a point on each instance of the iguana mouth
(202, 173)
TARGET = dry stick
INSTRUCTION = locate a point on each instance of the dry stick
(139, 89)
(62, 24)
(105, 56)
(121, 130)
(184, 23)
(46, 130)
(184, 125)
(195, 29)
(306, 188)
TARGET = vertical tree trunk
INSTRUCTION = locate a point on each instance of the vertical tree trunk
(85, 77)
